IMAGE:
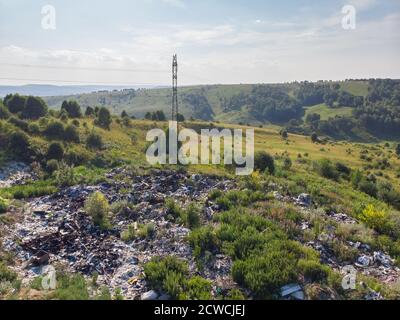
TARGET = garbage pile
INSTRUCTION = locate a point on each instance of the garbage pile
(15, 173)
(56, 229)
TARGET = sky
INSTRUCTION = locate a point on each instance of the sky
(131, 42)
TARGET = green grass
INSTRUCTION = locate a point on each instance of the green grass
(357, 88)
(326, 112)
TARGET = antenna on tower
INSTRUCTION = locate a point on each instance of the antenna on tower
(175, 88)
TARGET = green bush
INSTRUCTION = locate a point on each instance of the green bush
(192, 216)
(3, 206)
(19, 144)
(6, 274)
(264, 274)
(103, 118)
(199, 288)
(71, 287)
(202, 240)
(4, 113)
(147, 231)
(55, 151)
(263, 161)
(52, 166)
(157, 269)
(23, 125)
(313, 270)
(326, 169)
(94, 141)
(71, 134)
(33, 128)
(55, 130)
(97, 207)
(64, 175)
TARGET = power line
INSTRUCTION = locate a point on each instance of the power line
(82, 68)
(81, 82)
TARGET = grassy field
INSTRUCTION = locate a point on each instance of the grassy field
(326, 112)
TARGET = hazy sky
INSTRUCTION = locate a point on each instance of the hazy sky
(217, 41)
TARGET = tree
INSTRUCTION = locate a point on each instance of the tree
(104, 118)
(314, 137)
(148, 116)
(89, 111)
(284, 134)
(71, 134)
(72, 108)
(15, 103)
(34, 108)
(55, 151)
(264, 161)
(124, 114)
(398, 149)
(180, 117)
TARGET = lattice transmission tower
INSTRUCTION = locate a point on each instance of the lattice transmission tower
(175, 88)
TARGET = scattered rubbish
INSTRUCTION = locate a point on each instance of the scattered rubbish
(363, 261)
(149, 295)
(293, 290)
(304, 200)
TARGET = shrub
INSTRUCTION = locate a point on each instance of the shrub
(199, 288)
(287, 163)
(173, 208)
(64, 175)
(167, 274)
(314, 137)
(71, 134)
(235, 294)
(89, 111)
(374, 217)
(19, 123)
(97, 207)
(71, 287)
(264, 161)
(128, 234)
(94, 141)
(6, 274)
(34, 108)
(326, 169)
(202, 240)
(33, 128)
(4, 113)
(51, 166)
(3, 206)
(368, 187)
(147, 231)
(19, 144)
(313, 270)
(265, 274)
(55, 151)
(55, 130)
(192, 216)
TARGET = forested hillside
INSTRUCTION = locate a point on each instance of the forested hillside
(352, 109)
